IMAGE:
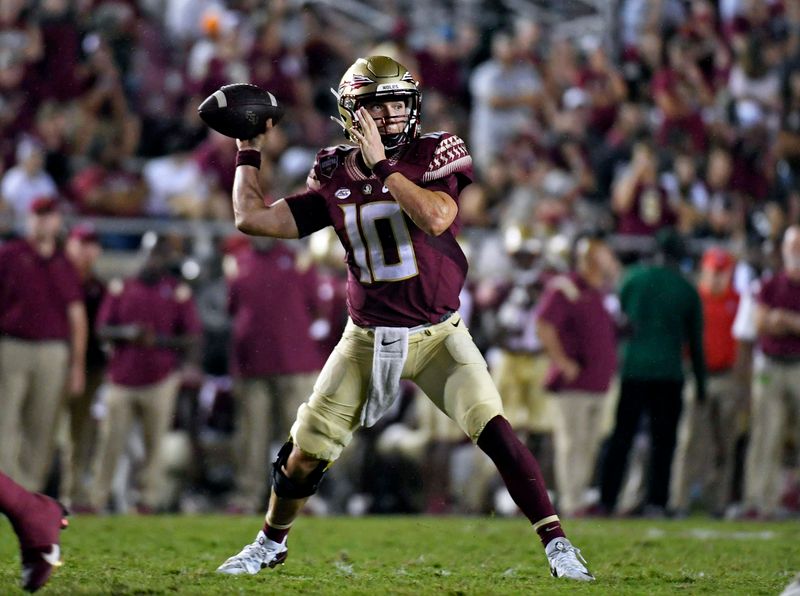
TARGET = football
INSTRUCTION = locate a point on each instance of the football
(240, 110)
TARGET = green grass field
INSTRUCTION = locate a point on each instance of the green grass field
(415, 555)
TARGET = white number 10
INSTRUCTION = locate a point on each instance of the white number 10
(368, 249)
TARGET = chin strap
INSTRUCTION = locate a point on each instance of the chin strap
(393, 143)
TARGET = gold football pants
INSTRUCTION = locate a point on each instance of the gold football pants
(442, 360)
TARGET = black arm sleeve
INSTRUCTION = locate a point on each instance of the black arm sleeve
(310, 212)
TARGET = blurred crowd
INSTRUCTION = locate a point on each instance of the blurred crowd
(635, 194)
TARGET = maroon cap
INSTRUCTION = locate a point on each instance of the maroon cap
(84, 233)
(41, 205)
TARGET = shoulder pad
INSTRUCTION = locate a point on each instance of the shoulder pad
(328, 159)
(183, 292)
(563, 284)
(449, 156)
(115, 286)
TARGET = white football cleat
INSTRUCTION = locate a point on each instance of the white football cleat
(263, 552)
(567, 561)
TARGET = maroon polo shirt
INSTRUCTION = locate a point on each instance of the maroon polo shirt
(398, 276)
(35, 292)
(166, 307)
(273, 305)
(780, 292)
(586, 330)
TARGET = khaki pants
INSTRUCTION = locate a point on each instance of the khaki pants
(78, 439)
(265, 410)
(577, 432)
(706, 447)
(33, 375)
(776, 388)
(520, 381)
(154, 406)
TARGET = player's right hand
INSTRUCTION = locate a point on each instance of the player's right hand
(256, 142)
(369, 139)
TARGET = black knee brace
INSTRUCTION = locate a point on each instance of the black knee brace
(287, 488)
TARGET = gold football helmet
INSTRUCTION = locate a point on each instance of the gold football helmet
(378, 78)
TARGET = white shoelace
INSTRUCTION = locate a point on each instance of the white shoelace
(252, 553)
(570, 558)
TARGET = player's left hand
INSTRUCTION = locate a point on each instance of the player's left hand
(369, 139)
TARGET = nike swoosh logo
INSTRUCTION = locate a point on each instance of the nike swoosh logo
(389, 343)
(550, 529)
(456, 324)
(54, 556)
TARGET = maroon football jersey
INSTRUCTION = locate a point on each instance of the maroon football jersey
(398, 276)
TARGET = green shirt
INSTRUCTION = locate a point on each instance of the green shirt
(665, 314)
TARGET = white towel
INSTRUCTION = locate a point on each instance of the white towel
(388, 357)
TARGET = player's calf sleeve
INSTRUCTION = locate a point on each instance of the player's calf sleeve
(522, 476)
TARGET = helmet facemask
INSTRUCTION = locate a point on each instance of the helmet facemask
(378, 79)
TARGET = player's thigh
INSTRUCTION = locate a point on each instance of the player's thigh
(510, 384)
(326, 422)
(455, 377)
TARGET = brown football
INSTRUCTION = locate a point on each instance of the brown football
(240, 110)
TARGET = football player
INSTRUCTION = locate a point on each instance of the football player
(392, 198)
(37, 520)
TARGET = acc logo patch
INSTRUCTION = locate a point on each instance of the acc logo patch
(342, 193)
(328, 164)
